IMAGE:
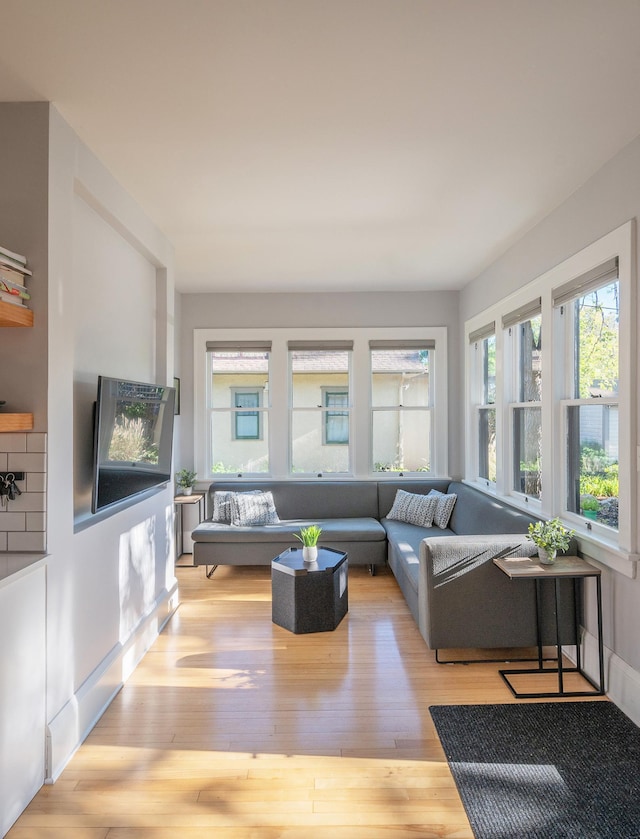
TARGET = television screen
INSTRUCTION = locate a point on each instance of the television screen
(133, 439)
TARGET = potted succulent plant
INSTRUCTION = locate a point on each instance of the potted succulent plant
(550, 537)
(309, 537)
(185, 480)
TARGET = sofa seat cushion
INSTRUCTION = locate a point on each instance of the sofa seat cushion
(333, 530)
(404, 546)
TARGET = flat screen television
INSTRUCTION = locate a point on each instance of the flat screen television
(133, 439)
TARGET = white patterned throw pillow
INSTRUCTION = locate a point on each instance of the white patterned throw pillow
(444, 508)
(413, 508)
(222, 504)
(253, 509)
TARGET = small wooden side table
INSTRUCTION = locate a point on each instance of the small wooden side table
(565, 567)
(179, 503)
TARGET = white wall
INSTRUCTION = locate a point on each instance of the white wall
(110, 581)
(355, 310)
(609, 199)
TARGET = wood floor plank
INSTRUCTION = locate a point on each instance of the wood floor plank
(232, 726)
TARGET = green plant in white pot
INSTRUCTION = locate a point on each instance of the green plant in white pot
(550, 537)
(185, 480)
(309, 537)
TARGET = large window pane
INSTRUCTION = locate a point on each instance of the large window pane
(313, 370)
(487, 444)
(401, 440)
(592, 457)
(527, 438)
(531, 360)
(597, 321)
(237, 455)
(489, 370)
(320, 413)
(308, 452)
(399, 378)
(239, 411)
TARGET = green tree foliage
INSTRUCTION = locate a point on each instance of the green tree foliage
(598, 317)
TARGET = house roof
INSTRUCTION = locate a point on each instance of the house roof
(327, 361)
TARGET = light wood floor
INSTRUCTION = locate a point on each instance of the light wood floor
(234, 728)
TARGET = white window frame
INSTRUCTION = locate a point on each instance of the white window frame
(512, 346)
(360, 426)
(478, 405)
(620, 551)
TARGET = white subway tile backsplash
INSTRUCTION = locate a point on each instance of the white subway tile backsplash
(23, 523)
(27, 462)
(13, 442)
(28, 502)
(12, 521)
(36, 522)
(36, 442)
(26, 541)
(36, 482)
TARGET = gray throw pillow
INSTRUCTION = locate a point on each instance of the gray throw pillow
(251, 509)
(413, 508)
(444, 508)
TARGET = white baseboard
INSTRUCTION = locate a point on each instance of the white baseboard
(622, 682)
(67, 730)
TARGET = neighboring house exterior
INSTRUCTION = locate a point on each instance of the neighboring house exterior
(320, 411)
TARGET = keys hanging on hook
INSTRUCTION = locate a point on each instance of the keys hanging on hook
(13, 488)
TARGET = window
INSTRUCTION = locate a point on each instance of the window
(591, 324)
(525, 341)
(483, 342)
(238, 416)
(336, 422)
(565, 398)
(246, 425)
(306, 401)
(401, 399)
(319, 384)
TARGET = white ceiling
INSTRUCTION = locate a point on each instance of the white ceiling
(335, 145)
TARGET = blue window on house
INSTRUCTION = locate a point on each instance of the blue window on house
(247, 423)
(336, 422)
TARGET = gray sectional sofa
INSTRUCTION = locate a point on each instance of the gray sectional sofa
(457, 596)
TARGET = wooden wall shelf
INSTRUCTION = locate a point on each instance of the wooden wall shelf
(11, 315)
(16, 422)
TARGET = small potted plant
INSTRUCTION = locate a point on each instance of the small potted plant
(185, 480)
(550, 537)
(309, 537)
(590, 507)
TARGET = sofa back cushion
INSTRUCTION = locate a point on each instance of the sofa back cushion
(476, 513)
(321, 499)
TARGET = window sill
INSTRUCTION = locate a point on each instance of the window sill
(600, 551)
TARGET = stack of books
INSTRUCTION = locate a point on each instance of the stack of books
(13, 270)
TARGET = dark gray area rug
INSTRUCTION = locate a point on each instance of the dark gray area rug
(551, 770)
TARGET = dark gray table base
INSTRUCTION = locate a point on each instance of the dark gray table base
(309, 599)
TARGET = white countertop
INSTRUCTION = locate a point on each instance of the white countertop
(14, 563)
